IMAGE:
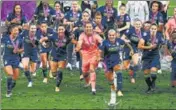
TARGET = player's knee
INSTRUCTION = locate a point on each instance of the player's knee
(26, 68)
(153, 70)
(93, 76)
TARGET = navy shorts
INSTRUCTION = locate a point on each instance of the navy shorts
(57, 58)
(110, 63)
(153, 62)
(33, 56)
(14, 62)
(126, 53)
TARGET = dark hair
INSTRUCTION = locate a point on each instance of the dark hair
(154, 24)
(149, 22)
(11, 27)
(43, 22)
(159, 5)
(14, 8)
(122, 5)
(98, 13)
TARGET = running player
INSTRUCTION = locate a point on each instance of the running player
(110, 49)
(58, 53)
(30, 55)
(88, 47)
(150, 44)
(13, 47)
(45, 47)
(134, 34)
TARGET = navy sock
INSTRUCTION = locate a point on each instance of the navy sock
(80, 67)
(44, 71)
(154, 77)
(9, 84)
(119, 80)
(135, 68)
(28, 76)
(59, 78)
(13, 83)
(148, 82)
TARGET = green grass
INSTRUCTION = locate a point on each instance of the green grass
(73, 95)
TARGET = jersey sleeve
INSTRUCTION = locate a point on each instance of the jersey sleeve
(102, 46)
(127, 18)
(122, 42)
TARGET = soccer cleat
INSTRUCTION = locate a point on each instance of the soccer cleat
(113, 98)
(29, 84)
(77, 64)
(57, 89)
(34, 74)
(8, 95)
(45, 80)
(148, 91)
(50, 75)
(119, 93)
(133, 81)
(93, 92)
(69, 66)
(87, 85)
(81, 77)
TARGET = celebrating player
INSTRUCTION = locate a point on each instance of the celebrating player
(30, 55)
(150, 44)
(13, 47)
(88, 47)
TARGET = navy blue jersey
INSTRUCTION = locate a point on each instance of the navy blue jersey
(22, 19)
(39, 35)
(59, 48)
(109, 15)
(172, 48)
(10, 45)
(30, 44)
(44, 15)
(159, 40)
(73, 17)
(133, 36)
(111, 51)
(156, 18)
(122, 20)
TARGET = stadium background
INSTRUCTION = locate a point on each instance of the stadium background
(74, 96)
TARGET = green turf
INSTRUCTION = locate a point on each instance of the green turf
(73, 95)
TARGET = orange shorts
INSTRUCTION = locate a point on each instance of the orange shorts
(88, 61)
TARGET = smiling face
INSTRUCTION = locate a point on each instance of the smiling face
(43, 27)
(153, 29)
(33, 29)
(14, 32)
(85, 16)
(155, 7)
(137, 25)
(57, 6)
(61, 30)
(17, 9)
(122, 10)
(112, 35)
(88, 29)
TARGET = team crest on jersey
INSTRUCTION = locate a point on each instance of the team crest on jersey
(117, 43)
(144, 34)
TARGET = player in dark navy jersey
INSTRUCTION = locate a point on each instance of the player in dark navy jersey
(150, 44)
(13, 46)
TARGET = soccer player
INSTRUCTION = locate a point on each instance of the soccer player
(59, 15)
(134, 34)
(30, 55)
(78, 29)
(99, 26)
(146, 26)
(110, 49)
(122, 20)
(88, 47)
(13, 47)
(16, 17)
(44, 47)
(44, 12)
(155, 15)
(172, 47)
(150, 44)
(71, 17)
(171, 26)
(58, 56)
(109, 14)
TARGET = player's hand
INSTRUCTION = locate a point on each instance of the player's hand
(14, 20)
(153, 46)
(99, 59)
